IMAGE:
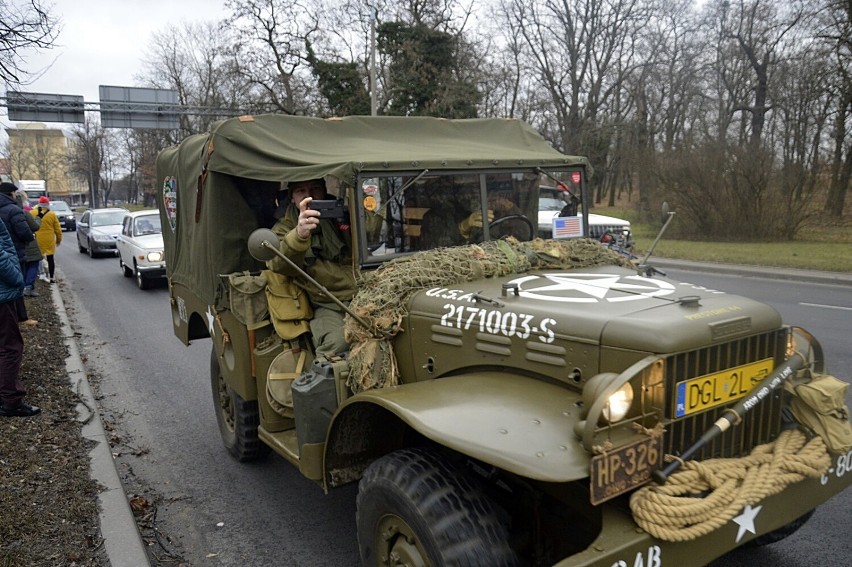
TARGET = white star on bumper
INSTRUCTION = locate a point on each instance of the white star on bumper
(746, 520)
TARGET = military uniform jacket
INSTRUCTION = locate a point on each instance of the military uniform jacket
(326, 256)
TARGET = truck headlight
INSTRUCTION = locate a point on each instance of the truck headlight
(617, 404)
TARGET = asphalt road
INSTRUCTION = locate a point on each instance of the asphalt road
(155, 394)
(825, 311)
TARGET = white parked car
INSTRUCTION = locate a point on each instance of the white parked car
(140, 247)
(551, 203)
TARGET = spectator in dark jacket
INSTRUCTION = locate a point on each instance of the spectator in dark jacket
(11, 342)
(13, 216)
(17, 228)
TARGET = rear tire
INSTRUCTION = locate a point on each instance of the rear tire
(238, 418)
(415, 507)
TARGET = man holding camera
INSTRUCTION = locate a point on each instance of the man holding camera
(323, 248)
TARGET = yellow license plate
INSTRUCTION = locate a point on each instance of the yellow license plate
(624, 469)
(705, 392)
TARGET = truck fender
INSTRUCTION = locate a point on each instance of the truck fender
(515, 423)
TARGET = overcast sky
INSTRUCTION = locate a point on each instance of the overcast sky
(102, 42)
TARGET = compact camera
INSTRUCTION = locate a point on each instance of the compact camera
(329, 208)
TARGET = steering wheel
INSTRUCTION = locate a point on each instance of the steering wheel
(527, 222)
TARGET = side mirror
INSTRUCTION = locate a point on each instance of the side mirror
(263, 244)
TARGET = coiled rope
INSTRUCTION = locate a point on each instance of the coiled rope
(705, 495)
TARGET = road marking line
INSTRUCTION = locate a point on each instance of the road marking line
(825, 306)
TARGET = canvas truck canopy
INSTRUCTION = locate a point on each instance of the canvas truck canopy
(219, 186)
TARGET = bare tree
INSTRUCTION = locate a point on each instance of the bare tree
(86, 156)
(270, 48)
(110, 166)
(141, 149)
(759, 28)
(666, 88)
(23, 26)
(580, 54)
(191, 59)
(836, 34)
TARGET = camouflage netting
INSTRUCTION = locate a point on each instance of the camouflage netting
(385, 292)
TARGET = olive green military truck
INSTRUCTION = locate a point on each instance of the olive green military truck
(505, 400)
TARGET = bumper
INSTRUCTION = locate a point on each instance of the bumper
(152, 271)
(622, 542)
(102, 247)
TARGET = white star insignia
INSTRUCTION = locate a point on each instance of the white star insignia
(746, 520)
(591, 288)
(597, 288)
(210, 318)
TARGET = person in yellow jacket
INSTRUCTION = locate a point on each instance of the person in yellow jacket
(49, 236)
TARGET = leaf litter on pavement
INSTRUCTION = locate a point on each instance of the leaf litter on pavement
(49, 503)
(49, 512)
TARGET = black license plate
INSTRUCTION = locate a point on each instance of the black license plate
(625, 468)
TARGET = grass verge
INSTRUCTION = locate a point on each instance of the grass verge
(824, 248)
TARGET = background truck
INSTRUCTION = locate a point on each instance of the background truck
(34, 189)
(506, 400)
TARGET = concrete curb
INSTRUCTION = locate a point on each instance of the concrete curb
(122, 541)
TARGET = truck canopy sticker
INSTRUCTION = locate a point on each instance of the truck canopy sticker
(170, 200)
(591, 288)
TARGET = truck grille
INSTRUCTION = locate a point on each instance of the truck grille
(760, 425)
(598, 230)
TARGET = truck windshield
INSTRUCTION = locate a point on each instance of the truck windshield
(406, 213)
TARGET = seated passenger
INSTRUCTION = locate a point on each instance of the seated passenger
(502, 205)
(450, 226)
(323, 249)
(571, 201)
(454, 217)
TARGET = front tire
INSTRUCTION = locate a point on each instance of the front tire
(141, 280)
(91, 250)
(124, 269)
(238, 418)
(416, 507)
